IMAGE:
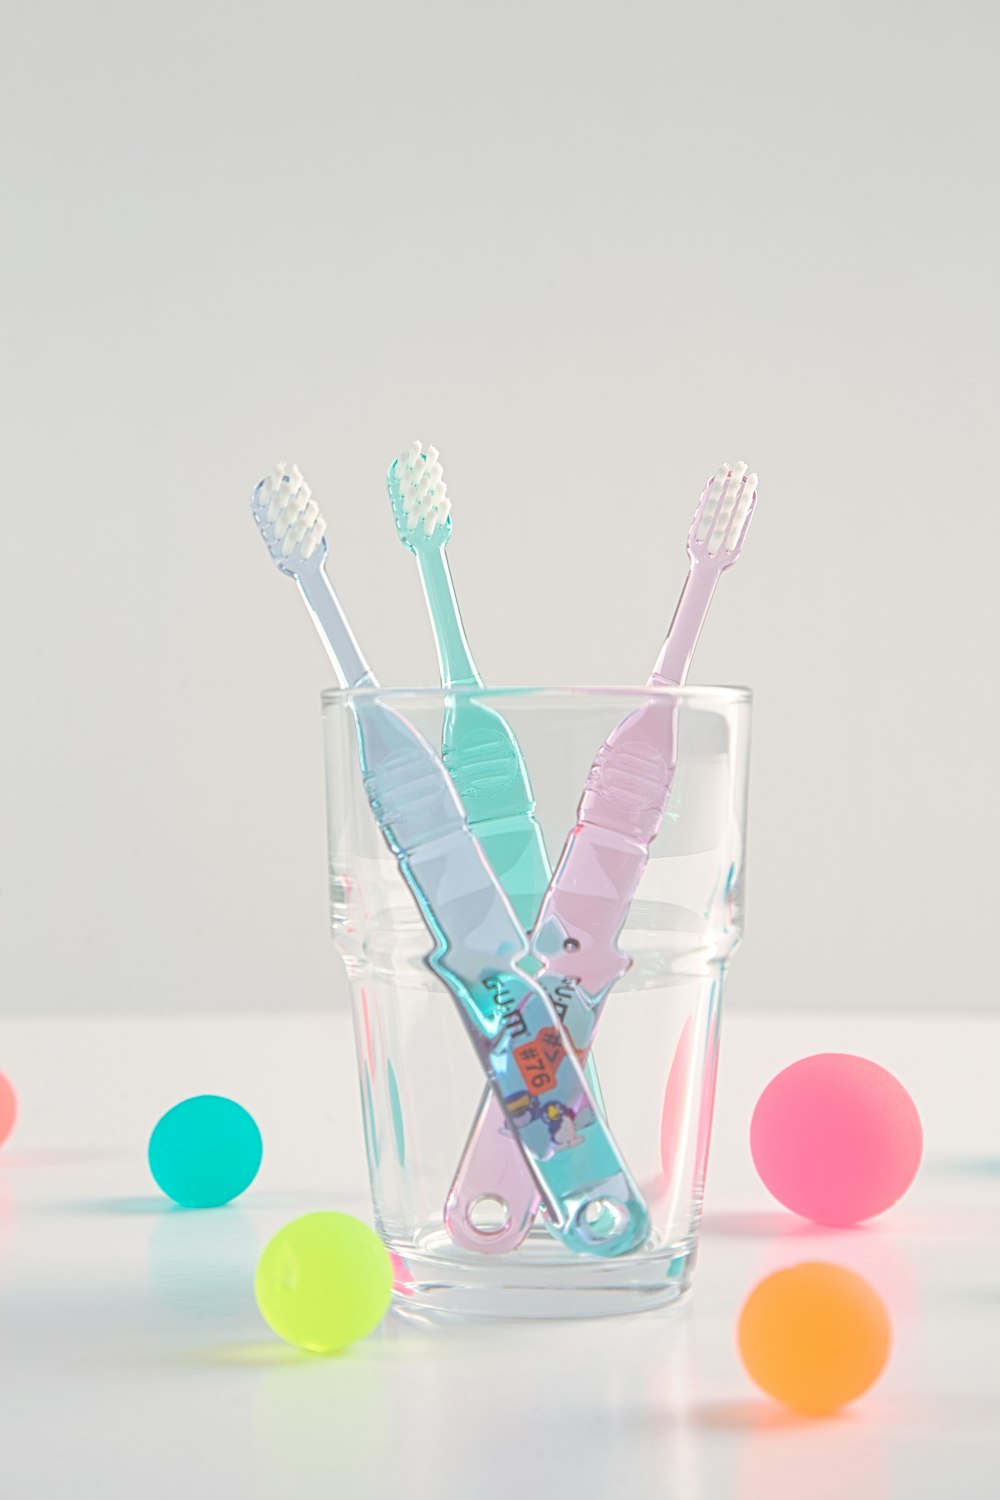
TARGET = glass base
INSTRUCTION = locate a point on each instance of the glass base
(538, 1281)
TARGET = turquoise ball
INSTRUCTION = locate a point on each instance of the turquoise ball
(205, 1151)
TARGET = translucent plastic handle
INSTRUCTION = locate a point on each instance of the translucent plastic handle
(591, 1201)
(576, 936)
(493, 1201)
(565, 1147)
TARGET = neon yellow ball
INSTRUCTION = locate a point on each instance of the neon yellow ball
(323, 1282)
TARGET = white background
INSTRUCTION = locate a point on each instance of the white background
(589, 251)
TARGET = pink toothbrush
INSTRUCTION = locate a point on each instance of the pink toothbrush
(588, 899)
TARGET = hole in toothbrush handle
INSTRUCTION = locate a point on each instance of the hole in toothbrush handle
(605, 1225)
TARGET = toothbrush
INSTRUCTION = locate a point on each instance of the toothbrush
(587, 903)
(594, 1204)
(478, 746)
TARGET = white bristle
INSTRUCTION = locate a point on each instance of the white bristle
(422, 490)
(287, 514)
(723, 512)
(726, 508)
(741, 511)
(705, 517)
(314, 538)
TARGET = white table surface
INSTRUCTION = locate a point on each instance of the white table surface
(133, 1361)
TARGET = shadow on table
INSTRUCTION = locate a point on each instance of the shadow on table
(61, 1157)
(754, 1414)
(143, 1205)
(771, 1225)
(157, 1204)
(960, 1166)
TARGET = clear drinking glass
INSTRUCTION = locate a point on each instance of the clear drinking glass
(656, 1047)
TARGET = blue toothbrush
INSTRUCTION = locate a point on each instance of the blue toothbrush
(589, 1196)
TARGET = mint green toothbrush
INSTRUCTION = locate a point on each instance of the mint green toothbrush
(477, 745)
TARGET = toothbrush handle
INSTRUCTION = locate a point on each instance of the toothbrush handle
(542, 1096)
(483, 756)
(622, 795)
(454, 654)
(334, 631)
(487, 765)
(487, 768)
(539, 1085)
(674, 660)
(577, 937)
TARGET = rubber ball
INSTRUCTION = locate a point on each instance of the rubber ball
(324, 1282)
(8, 1107)
(814, 1336)
(205, 1151)
(836, 1138)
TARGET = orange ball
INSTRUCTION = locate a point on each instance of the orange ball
(814, 1337)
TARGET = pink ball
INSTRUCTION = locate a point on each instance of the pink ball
(8, 1107)
(836, 1138)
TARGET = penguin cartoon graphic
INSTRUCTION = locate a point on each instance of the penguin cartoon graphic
(524, 1115)
(562, 1126)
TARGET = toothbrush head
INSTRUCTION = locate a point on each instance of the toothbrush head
(418, 494)
(289, 519)
(723, 517)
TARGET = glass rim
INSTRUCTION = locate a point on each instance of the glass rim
(696, 696)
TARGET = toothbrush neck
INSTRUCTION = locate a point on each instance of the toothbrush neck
(454, 656)
(675, 659)
(336, 634)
